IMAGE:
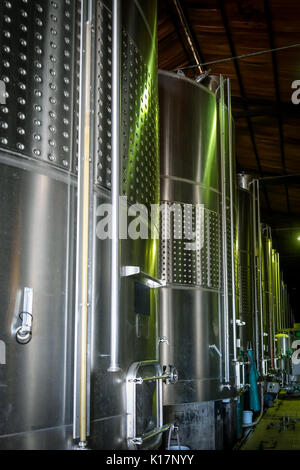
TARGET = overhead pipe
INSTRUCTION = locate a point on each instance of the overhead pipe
(116, 150)
(188, 34)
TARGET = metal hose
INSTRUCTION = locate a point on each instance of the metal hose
(250, 425)
(171, 430)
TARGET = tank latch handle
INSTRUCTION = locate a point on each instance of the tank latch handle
(24, 332)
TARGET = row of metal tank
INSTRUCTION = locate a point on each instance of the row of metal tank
(263, 299)
(108, 337)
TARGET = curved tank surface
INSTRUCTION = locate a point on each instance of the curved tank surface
(192, 316)
(38, 219)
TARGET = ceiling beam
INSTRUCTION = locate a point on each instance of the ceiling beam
(289, 229)
(242, 90)
(177, 27)
(281, 219)
(257, 108)
(271, 176)
(189, 33)
(277, 93)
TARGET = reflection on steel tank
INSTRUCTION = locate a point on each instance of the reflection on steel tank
(198, 174)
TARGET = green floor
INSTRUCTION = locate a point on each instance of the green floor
(279, 428)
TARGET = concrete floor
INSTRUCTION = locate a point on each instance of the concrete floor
(279, 428)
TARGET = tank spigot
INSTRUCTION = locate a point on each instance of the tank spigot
(171, 375)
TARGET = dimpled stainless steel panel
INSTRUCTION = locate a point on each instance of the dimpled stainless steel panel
(140, 157)
(38, 48)
(198, 267)
(103, 96)
(140, 165)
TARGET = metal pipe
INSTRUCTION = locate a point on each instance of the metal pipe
(255, 273)
(116, 122)
(188, 34)
(275, 290)
(224, 231)
(138, 441)
(83, 229)
(278, 292)
(231, 179)
(272, 322)
(260, 279)
(85, 241)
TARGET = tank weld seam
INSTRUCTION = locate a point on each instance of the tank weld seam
(29, 164)
(191, 287)
(185, 79)
(107, 418)
(30, 431)
(188, 181)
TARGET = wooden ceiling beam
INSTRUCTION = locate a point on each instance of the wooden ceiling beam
(242, 90)
(176, 23)
(277, 93)
(258, 108)
(193, 43)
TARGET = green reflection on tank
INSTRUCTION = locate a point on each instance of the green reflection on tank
(143, 117)
(210, 157)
